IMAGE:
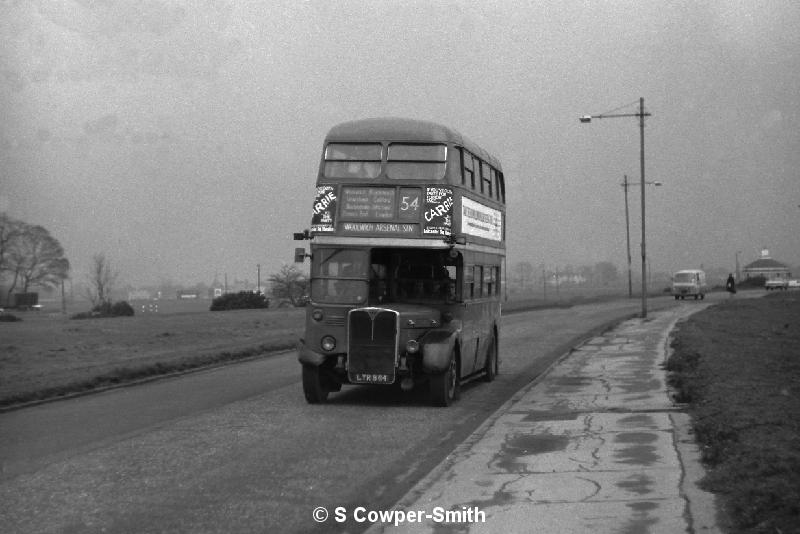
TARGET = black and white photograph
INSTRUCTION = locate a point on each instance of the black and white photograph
(399, 266)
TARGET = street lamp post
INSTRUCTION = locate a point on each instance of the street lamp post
(641, 114)
(625, 185)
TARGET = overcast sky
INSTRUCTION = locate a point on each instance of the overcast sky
(181, 138)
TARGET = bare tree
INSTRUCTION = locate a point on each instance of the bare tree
(587, 273)
(606, 272)
(102, 278)
(289, 283)
(10, 232)
(30, 256)
(41, 260)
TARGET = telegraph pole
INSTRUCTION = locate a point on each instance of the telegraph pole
(641, 163)
(628, 236)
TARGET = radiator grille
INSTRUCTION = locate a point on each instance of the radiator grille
(372, 345)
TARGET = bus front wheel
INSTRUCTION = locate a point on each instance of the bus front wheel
(444, 386)
(313, 388)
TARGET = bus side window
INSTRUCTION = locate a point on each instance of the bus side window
(469, 282)
(478, 276)
(487, 281)
(468, 174)
(448, 285)
(501, 188)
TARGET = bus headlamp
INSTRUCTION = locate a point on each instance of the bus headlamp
(328, 343)
(317, 314)
(412, 346)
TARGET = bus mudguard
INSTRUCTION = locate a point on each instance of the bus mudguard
(308, 356)
(437, 348)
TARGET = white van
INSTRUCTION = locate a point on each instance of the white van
(688, 283)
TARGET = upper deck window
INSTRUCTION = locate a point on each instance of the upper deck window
(416, 161)
(486, 179)
(468, 174)
(353, 160)
(501, 188)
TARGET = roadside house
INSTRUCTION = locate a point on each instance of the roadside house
(767, 267)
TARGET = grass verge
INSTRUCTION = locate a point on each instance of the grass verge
(737, 365)
(136, 373)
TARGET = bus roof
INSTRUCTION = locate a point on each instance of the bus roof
(404, 130)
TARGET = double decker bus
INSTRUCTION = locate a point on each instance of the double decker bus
(407, 248)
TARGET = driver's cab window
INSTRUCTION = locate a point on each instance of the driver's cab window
(339, 276)
(378, 283)
(340, 263)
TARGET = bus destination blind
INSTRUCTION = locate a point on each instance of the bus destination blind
(368, 203)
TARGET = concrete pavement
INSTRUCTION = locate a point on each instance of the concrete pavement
(594, 445)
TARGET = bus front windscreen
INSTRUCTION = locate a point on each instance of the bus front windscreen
(339, 276)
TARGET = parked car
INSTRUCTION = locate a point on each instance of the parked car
(793, 284)
(776, 283)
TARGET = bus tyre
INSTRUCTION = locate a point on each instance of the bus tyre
(444, 386)
(492, 367)
(313, 388)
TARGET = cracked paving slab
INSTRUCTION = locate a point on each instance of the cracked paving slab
(592, 446)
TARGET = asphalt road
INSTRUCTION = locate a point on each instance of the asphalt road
(237, 449)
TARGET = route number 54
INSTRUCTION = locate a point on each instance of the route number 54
(409, 203)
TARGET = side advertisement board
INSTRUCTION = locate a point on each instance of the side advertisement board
(480, 220)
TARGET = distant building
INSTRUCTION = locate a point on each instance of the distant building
(139, 294)
(767, 267)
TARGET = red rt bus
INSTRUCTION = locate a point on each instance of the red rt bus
(407, 247)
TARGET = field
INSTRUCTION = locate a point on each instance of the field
(737, 365)
(48, 354)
